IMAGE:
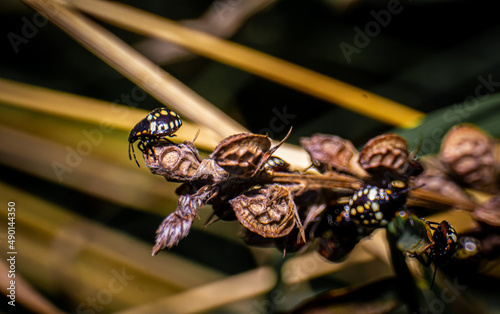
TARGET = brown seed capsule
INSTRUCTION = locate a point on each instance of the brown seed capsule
(210, 170)
(176, 226)
(241, 153)
(469, 154)
(332, 153)
(268, 210)
(175, 162)
(489, 212)
(435, 180)
(386, 152)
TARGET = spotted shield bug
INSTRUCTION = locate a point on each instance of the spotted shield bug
(157, 125)
(373, 207)
(275, 163)
(444, 242)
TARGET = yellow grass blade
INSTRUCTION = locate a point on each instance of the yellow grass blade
(255, 62)
(95, 111)
(215, 294)
(66, 253)
(91, 174)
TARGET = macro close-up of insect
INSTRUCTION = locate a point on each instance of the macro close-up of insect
(156, 126)
(254, 156)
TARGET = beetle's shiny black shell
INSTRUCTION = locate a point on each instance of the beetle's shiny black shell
(374, 207)
(275, 163)
(445, 241)
(158, 123)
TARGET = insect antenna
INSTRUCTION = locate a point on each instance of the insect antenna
(131, 147)
(408, 189)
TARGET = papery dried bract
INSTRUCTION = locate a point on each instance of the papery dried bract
(241, 153)
(209, 170)
(269, 210)
(175, 162)
(469, 154)
(176, 226)
(386, 153)
(332, 153)
(435, 180)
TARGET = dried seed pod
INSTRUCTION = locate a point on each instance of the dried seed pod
(244, 154)
(435, 180)
(489, 212)
(332, 153)
(176, 226)
(175, 162)
(241, 153)
(386, 153)
(469, 154)
(209, 170)
(268, 210)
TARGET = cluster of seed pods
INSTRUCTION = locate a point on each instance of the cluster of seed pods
(349, 195)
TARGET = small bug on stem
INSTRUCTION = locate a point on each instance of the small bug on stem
(374, 207)
(157, 125)
(442, 247)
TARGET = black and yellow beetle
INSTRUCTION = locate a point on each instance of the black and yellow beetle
(373, 207)
(157, 125)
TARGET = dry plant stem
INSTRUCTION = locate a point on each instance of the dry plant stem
(436, 201)
(255, 62)
(214, 294)
(345, 184)
(57, 246)
(215, 20)
(136, 67)
(339, 183)
(90, 110)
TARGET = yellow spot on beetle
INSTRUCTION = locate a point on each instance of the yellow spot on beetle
(379, 215)
(375, 206)
(372, 195)
(360, 209)
(399, 184)
(164, 112)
